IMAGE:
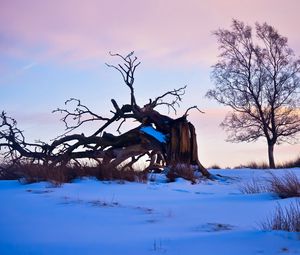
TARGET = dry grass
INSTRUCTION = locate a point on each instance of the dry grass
(254, 186)
(290, 164)
(254, 165)
(263, 165)
(107, 174)
(214, 166)
(287, 185)
(8, 173)
(183, 171)
(284, 186)
(287, 218)
(29, 173)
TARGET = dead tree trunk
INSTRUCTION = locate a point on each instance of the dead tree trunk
(164, 140)
(182, 148)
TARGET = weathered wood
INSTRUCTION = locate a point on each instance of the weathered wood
(183, 148)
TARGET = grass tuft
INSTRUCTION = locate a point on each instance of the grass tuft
(107, 173)
(214, 166)
(253, 186)
(284, 218)
(290, 164)
(287, 185)
(254, 165)
(184, 171)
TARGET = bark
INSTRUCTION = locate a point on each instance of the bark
(271, 155)
(194, 152)
(182, 148)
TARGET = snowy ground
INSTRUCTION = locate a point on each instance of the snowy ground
(108, 218)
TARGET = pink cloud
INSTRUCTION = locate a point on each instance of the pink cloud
(164, 31)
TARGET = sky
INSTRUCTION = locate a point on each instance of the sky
(52, 50)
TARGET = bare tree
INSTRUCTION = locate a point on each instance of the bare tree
(166, 141)
(258, 78)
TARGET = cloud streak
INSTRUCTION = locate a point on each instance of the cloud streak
(29, 66)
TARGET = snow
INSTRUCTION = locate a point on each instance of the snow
(93, 217)
(154, 133)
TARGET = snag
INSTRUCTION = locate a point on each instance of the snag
(164, 140)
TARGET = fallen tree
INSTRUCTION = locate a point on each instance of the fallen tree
(166, 142)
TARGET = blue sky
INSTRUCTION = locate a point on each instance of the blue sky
(53, 50)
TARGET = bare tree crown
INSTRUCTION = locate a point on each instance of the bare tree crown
(258, 78)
